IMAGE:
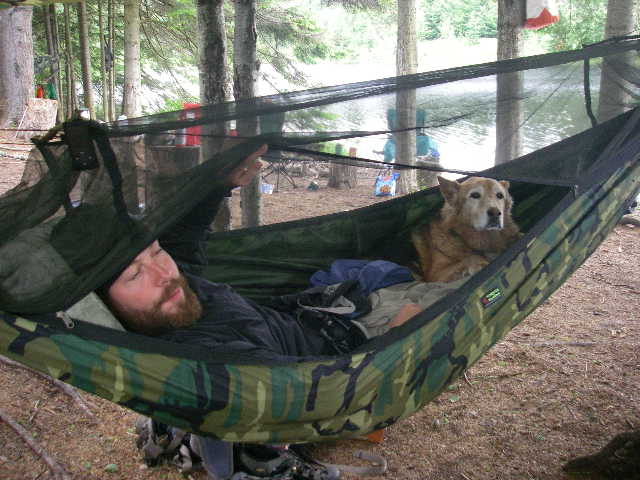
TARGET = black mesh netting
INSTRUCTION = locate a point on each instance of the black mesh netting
(89, 202)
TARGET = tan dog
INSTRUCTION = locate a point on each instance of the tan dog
(475, 225)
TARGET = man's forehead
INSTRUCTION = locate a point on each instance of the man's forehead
(145, 251)
(140, 256)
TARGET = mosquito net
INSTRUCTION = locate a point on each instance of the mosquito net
(91, 198)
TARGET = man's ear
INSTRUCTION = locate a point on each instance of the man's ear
(449, 189)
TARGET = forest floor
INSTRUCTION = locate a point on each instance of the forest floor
(559, 385)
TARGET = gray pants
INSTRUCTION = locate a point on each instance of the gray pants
(387, 302)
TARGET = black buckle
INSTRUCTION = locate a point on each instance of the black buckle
(78, 137)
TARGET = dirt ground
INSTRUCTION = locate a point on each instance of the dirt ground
(559, 385)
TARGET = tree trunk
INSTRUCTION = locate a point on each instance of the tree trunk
(511, 18)
(245, 76)
(106, 115)
(342, 176)
(51, 28)
(131, 96)
(16, 63)
(613, 98)
(406, 64)
(112, 47)
(71, 101)
(214, 85)
(85, 58)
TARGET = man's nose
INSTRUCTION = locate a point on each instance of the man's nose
(162, 273)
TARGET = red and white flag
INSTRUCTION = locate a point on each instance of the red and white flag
(541, 13)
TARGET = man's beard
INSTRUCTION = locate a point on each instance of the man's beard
(155, 321)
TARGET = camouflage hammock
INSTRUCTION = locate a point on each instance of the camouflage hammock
(569, 190)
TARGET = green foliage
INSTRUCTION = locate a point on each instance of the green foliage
(169, 34)
(470, 19)
(581, 22)
(313, 48)
(290, 33)
(351, 33)
(311, 119)
(291, 29)
(40, 45)
(171, 104)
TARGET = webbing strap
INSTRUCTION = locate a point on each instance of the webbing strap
(433, 168)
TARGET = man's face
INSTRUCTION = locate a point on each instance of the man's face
(151, 296)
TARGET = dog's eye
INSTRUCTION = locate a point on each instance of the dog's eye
(500, 195)
(475, 195)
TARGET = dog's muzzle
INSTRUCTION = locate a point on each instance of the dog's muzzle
(494, 219)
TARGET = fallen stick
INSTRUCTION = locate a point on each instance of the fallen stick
(67, 389)
(555, 344)
(54, 466)
(467, 379)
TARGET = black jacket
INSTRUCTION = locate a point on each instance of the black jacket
(231, 323)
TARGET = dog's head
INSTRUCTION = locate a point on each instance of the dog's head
(481, 203)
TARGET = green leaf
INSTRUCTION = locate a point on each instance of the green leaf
(111, 468)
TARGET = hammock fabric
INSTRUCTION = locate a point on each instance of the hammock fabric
(89, 203)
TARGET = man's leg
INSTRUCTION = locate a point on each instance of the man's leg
(406, 312)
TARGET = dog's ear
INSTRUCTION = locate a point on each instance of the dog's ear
(508, 200)
(449, 189)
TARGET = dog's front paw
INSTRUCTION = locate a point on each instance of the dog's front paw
(474, 264)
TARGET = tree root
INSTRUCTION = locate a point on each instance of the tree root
(54, 466)
(67, 389)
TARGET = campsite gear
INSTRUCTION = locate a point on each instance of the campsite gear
(541, 13)
(161, 444)
(375, 437)
(371, 275)
(385, 184)
(51, 91)
(328, 310)
(263, 461)
(569, 194)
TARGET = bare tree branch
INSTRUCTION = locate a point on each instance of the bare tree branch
(54, 466)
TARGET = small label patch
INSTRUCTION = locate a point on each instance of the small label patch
(491, 297)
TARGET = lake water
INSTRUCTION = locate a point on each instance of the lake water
(553, 107)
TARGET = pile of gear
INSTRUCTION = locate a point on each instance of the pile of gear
(164, 445)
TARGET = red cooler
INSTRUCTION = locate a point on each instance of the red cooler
(189, 136)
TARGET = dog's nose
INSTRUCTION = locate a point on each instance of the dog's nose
(494, 212)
